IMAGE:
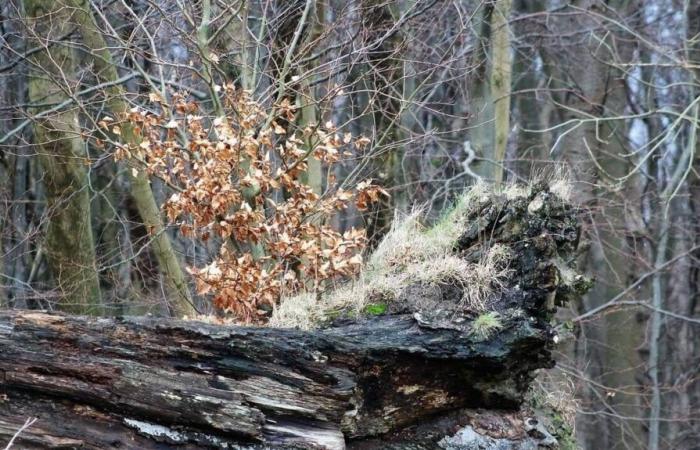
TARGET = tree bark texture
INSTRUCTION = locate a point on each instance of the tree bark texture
(500, 83)
(69, 240)
(173, 276)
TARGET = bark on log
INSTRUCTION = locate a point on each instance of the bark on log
(146, 383)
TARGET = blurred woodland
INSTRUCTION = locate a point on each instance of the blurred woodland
(207, 158)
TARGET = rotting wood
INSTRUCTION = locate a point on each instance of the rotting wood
(156, 383)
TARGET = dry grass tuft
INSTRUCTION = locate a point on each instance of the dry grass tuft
(559, 181)
(402, 244)
(513, 191)
(563, 189)
(300, 311)
(486, 277)
(410, 254)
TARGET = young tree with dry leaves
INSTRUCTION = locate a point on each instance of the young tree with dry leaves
(239, 179)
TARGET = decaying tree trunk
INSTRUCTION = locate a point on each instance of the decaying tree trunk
(372, 382)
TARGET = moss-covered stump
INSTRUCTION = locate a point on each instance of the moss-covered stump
(363, 370)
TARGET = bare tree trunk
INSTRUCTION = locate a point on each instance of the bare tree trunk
(690, 434)
(176, 284)
(110, 238)
(69, 239)
(594, 153)
(480, 99)
(385, 86)
(14, 236)
(531, 154)
(679, 353)
(307, 101)
(500, 83)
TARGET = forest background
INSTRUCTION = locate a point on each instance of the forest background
(427, 97)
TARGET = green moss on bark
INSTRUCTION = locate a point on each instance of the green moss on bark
(69, 239)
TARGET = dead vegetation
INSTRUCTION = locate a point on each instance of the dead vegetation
(463, 320)
(411, 254)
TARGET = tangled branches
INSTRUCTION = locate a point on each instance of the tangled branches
(241, 179)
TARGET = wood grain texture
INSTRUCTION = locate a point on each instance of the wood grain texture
(140, 383)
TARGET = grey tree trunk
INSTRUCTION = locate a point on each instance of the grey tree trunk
(531, 154)
(15, 261)
(500, 81)
(62, 152)
(181, 303)
(385, 86)
(594, 153)
(480, 99)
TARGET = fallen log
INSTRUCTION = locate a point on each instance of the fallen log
(143, 382)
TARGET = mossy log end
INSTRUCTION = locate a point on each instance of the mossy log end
(147, 383)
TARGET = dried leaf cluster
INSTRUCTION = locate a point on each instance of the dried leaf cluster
(239, 179)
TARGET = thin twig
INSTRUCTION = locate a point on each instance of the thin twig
(27, 423)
